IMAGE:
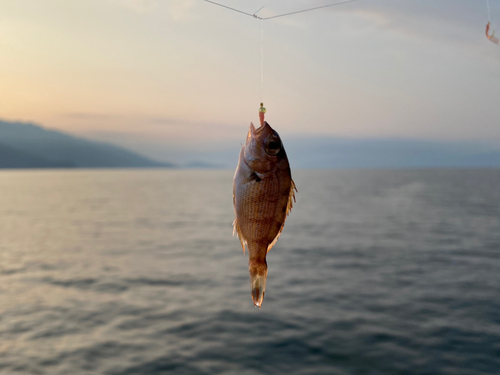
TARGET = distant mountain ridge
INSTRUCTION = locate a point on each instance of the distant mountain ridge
(344, 153)
(390, 153)
(26, 145)
(12, 158)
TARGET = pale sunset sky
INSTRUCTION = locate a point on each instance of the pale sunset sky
(153, 74)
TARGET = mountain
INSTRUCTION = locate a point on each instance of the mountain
(12, 158)
(335, 152)
(201, 165)
(24, 145)
(390, 153)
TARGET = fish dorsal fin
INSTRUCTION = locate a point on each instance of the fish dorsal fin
(291, 200)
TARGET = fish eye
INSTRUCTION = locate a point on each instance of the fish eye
(272, 146)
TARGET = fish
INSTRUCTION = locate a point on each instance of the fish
(263, 196)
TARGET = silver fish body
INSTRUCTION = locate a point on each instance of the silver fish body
(263, 195)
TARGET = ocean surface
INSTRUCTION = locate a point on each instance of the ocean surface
(137, 272)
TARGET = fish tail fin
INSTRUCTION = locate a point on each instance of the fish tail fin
(258, 278)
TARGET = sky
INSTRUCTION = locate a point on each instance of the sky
(183, 76)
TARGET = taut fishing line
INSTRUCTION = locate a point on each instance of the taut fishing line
(262, 19)
(254, 15)
(261, 58)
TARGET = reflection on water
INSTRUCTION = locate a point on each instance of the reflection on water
(136, 272)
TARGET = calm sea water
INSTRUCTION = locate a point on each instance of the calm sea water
(136, 272)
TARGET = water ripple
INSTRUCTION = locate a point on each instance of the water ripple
(136, 272)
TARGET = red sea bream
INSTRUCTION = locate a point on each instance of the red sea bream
(263, 195)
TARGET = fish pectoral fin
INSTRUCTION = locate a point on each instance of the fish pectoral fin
(237, 230)
(291, 200)
(264, 175)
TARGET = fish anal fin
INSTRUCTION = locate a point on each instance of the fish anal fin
(237, 230)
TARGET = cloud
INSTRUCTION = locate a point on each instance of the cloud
(180, 10)
(141, 6)
(194, 126)
(449, 21)
(143, 119)
(170, 121)
(153, 127)
(177, 121)
(88, 116)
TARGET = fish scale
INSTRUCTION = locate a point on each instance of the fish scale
(259, 211)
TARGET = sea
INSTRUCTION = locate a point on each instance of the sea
(136, 272)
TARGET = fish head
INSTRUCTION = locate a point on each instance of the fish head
(263, 149)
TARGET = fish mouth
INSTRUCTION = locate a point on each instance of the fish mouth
(254, 132)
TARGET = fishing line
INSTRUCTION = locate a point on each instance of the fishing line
(258, 10)
(262, 19)
(279, 15)
(308, 10)
(261, 57)
(488, 9)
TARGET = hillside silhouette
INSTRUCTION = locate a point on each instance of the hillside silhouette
(26, 145)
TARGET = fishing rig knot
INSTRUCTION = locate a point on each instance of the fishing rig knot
(254, 15)
(257, 11)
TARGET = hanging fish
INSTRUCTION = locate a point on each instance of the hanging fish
(263, 195)
(491, 37)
